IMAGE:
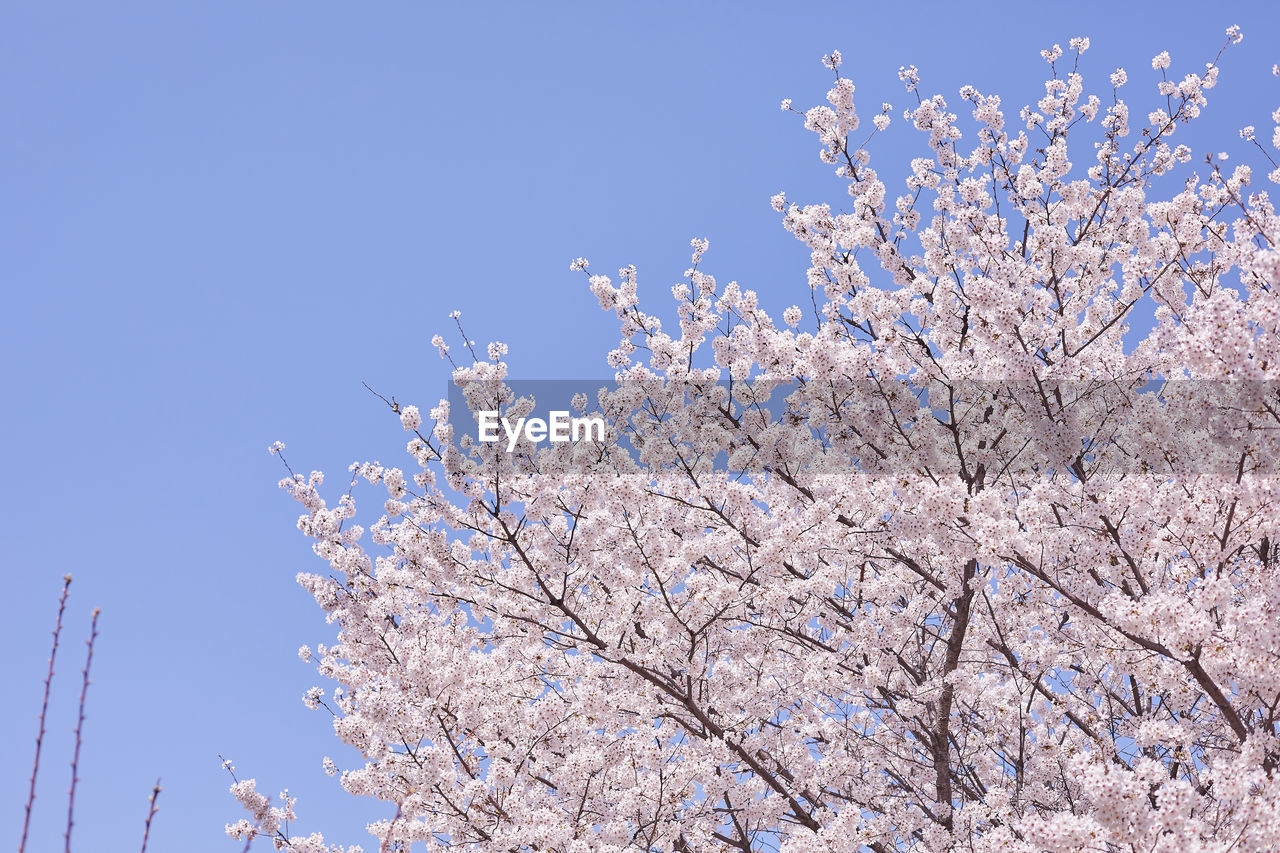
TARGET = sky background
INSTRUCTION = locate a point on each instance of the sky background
(217, 220)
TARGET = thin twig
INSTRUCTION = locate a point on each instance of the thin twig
(44, 707)
(146, 830)
(75, 756)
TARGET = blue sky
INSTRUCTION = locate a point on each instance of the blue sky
(218, 220)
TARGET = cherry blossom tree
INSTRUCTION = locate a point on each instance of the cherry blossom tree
(940, 562)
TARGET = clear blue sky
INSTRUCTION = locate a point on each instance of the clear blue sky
(218, 219)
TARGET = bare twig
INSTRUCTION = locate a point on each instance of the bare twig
(75, 757)
(44, 707)
(146, 830)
